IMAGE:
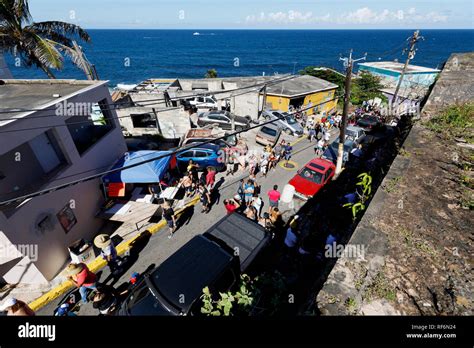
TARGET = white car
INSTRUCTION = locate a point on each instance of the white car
(209, 102)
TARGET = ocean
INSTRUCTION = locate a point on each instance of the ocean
(131, 56)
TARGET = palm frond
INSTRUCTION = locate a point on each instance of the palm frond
(15, 11)
(74, 56)
(47, 54)
(61, 28)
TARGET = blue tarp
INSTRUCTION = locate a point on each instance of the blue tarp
(149, 172)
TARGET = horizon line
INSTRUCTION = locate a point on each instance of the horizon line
(277, 29)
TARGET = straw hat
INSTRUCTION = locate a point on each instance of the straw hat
(8, 303)
(102, 241)
(74, 268)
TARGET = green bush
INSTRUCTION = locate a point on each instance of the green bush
(455, 121)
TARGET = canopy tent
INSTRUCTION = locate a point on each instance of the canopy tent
(150, 172)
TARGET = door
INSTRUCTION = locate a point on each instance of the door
(45, 152)
(201, 158)
(184, 158)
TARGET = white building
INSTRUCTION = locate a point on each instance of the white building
(59, 140)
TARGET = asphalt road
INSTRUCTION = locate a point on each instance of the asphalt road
(158, 248)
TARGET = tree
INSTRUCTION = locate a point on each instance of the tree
(38, 43)
(366, 87)
(211, 74)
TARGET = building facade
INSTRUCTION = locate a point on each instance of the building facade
(390, 72)
(70, 132)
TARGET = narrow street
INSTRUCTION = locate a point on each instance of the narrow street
(158, 248)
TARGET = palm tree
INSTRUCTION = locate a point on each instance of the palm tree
(211, 74)
(41, 44)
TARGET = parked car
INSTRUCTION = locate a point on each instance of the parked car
(333, 149)
(312, 177)
(203, 133)
(204, 102)
(223, 119)
(206, 155)
(268, 134)
(285, 121)
(207, 260)
(357, 134)
(369, 122)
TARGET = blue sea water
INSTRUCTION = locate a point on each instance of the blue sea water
(179, 53)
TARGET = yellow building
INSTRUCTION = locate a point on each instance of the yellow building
(300, 92)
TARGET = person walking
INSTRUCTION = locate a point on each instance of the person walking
(319, 148)
(264, 165)
(15, 307)
(82, 278)
(210, 178)
(187, 183)
(287, 153)
(273, 198)
(108, 252)
(169, 216)
(257, 203)
(230, 165)
(231, 206)
(205, 198)
(241, 190)
(249, 189)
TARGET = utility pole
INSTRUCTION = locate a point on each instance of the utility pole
(232, 115)
(411, 54)
(348, 64)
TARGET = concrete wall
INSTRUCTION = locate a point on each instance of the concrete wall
(454, 86)
(85, 198)
(174, 123)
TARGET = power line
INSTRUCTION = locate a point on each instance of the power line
(173, 152)
(155, 101)
(112, 118)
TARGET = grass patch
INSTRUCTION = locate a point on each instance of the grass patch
(391, 184)
(413, 242)
(380, 288)
(455, 121)
(351, 305)
(467, 199)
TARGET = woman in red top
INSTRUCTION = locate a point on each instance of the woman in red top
(82, 278)
(231, 206)
(210, 178)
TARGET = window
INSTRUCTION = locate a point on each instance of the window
(143, 121)
(311, 175)
(187, 154)
(222, 118)
(270, 131)
(328, 174)
(28, 167)
(200, 154)
(85, 132)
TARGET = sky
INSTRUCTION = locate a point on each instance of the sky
(258, 14)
